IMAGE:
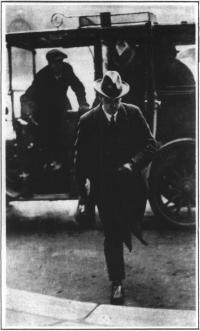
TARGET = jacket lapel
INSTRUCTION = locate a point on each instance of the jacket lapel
(100, 122)
(122, 115)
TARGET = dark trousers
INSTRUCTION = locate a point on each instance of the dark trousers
(113, 250)
(114, 224)
(113, 242)
(121, 204)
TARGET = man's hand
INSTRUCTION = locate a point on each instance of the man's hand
(81, 209)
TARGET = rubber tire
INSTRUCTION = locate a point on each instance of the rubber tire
(185, 145)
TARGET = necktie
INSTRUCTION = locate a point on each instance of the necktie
(112, 121)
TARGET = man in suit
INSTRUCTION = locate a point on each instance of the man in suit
(114, 144)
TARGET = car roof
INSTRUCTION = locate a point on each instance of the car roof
(104, 27)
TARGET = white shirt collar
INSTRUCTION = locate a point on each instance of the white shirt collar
(108, 116)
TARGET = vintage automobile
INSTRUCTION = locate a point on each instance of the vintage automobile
(161, 85)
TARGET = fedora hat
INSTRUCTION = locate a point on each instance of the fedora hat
(111, 85)
(55, 54)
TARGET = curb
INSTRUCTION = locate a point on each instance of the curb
(38, 310)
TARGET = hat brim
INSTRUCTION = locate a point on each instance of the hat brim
(124, 91)
(59, 57)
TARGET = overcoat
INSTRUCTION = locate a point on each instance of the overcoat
(100, 155)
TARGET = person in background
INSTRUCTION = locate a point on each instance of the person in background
(128, 60)
(175, 85)
(169, 70)
(46, 103)
(114, 146)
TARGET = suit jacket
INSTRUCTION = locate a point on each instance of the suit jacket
(98, 157)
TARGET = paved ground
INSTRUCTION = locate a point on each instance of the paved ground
(32, 310)
(46, 254)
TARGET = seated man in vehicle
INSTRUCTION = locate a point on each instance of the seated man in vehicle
(175, 85)
(46, 102)
(170, 71)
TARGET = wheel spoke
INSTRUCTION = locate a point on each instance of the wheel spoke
(167, 203)
(177, 211)
(176, 173)
(183, 171)
(175, 207)
(189, 210)
(167, 182)
(175, 197)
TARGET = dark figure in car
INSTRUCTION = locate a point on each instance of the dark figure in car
(169, 70)
(129, 61)
(175, 86)
(47, 102)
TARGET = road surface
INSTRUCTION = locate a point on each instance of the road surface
(48, 254)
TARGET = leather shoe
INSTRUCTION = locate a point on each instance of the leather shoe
(117, 293)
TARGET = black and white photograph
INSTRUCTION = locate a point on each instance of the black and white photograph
(99, 165)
